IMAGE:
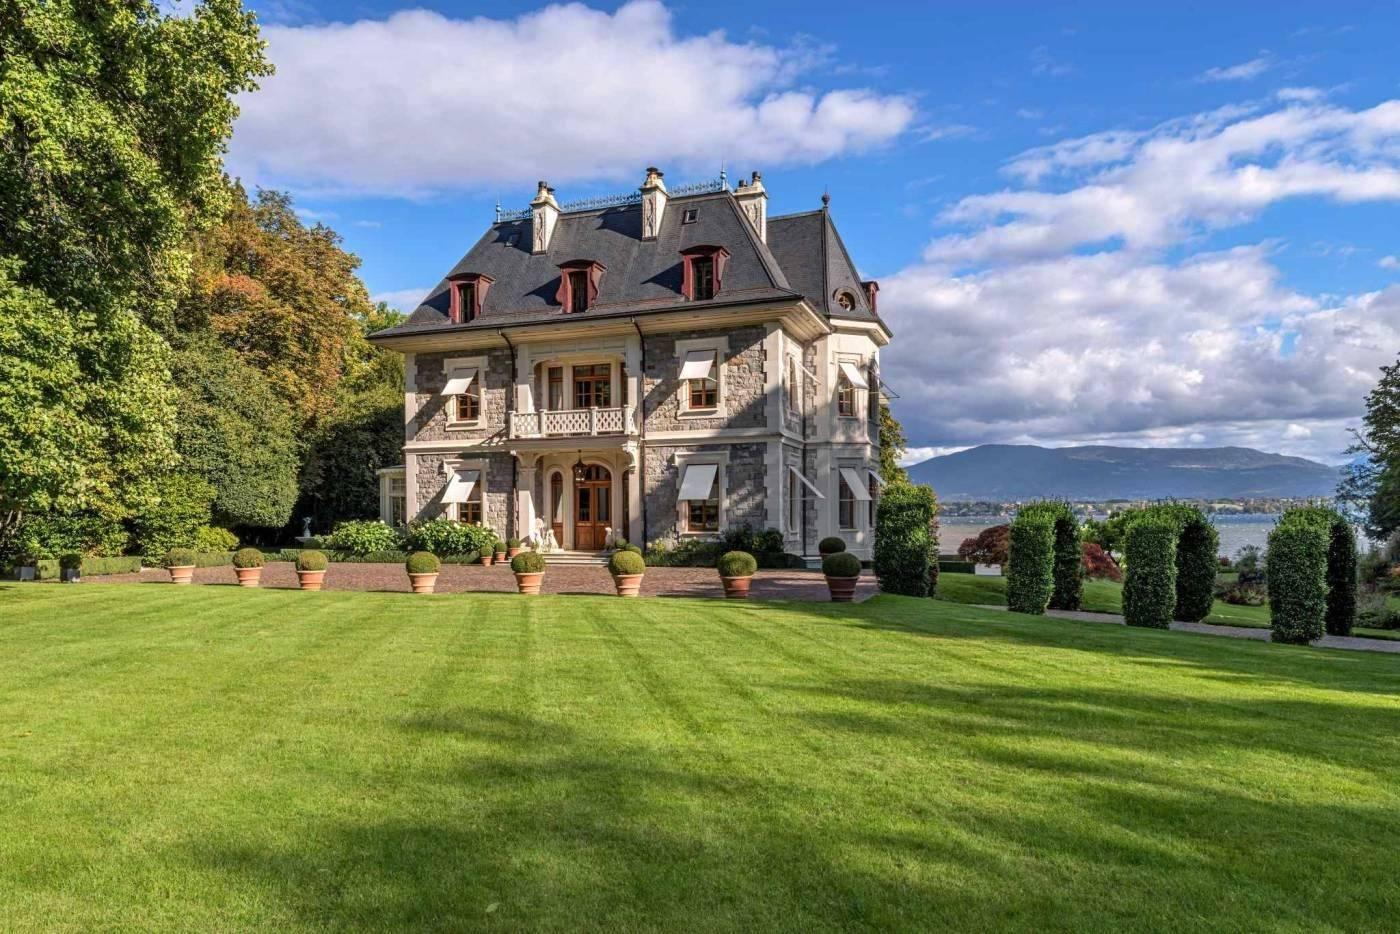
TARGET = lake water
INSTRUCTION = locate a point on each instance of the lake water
(1235, 531)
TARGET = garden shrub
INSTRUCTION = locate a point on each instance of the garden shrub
(515, 543)
(179, 509)
(47, 569)
(85, 533)
(312, 560)
(423, 562)
(1030, 568)
(211, 539)
(736, 564)
(1297, 567)
(830, 546)
(445, 537)
(904, 548)
(991, 546)
(374, 557)
(70, 561)
(179, 558)
(365, 536)
(626, 562)
(1341, 577)
(634, 549)
(1373, 611)
(1197, 560)
(841, 564)
(1149, 589)
(1068, 561)
(956, 567)
(248, 558)
(528, 562)
(1099, 563)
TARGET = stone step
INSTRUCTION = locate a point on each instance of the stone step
(577, 558)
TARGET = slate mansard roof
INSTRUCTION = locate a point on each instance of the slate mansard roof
(803, 258)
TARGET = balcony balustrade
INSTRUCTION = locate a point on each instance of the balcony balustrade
(617, 420)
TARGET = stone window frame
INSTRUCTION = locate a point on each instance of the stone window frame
(720, 347)
(721, 460)
(862, 513)
(794, 385)
(617, 376)
(388, 477)
(857, 409)
(454, 465)
(452, 365)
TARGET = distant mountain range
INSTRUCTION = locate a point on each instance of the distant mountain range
(1014, 472)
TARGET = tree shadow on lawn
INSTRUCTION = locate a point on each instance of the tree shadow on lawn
(539, 824)
(1218, 657)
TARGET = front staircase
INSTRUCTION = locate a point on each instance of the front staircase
(585, 559)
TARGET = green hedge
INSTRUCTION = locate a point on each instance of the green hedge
(957, 567)
(1068, 559)
(1341, 577)
(1030, 569)
(48, 569)
(202, 559)
(1297, 569)
(904, 544)
(1149, 589)
(1197, 562)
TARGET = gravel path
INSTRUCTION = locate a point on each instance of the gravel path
(1233, 632)
(456, 578)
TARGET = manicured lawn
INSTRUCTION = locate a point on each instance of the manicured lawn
(1102, 596)
(209, 758)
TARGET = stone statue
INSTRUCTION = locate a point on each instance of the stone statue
(306, 527)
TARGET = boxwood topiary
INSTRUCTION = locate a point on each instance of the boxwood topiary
(736, 564)
(1030, 567)
(841, 564)
(248, 558)
(312, 560)
(180, 558)
(1149, 588)
(634, 549)
(1297, 569)
(1068, 562)
(70, 561)
(904, 541)
(528, 562)
(423, 562)
(1341, 577)
(626, 562)
(513, 543)
(830, 546)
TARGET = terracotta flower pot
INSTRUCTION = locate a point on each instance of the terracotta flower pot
(248, 577)
(311, 580)
(529, 583)
(628, 585)
(486, 560)
(182, 575)
(500, 557)
(843, 589)
(423, 583)
(737, 588)
(512, 552)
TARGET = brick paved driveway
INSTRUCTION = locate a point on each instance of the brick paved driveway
(455, 578)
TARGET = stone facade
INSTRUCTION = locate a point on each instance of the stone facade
(744, 490)
(430, 422)
(743, 379)
(498, 480)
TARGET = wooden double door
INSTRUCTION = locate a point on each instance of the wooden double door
(593, 503)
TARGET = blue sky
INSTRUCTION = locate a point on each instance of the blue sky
(1091, 223)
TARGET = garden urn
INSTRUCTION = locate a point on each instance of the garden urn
(248, 577)
(182, 574)
(423, 583)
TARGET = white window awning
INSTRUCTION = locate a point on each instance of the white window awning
(459, 488)
(853, 373)
(857, 486)
(699, 364)
(805, 482)
(697, 481)
(875, 475)
(459, 382)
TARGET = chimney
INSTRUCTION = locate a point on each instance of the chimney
(871, 288)
(544, 213)
(654, 198)
(753, 201)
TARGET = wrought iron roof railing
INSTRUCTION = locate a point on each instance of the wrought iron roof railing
(618, 200)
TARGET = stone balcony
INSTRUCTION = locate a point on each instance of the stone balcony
(582, 423)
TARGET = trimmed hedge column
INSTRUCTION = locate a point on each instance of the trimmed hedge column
(1197, 563)
(1030, 570)
(1068, 571)
(902, 542)
(1297, 569)
(1149, 589)
(1341, 577)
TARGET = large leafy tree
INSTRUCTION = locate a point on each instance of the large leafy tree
(892, 446)
(113, 120)
(1371, 488)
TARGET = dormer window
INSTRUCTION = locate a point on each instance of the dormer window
(702, 275)
(578, 284)
(468, 292)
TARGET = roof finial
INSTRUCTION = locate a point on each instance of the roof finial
(723, 177)
(498, 209)
(826, 197)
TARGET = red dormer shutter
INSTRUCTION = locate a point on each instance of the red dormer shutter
(594, 269)
(455, 312)
(718, 256)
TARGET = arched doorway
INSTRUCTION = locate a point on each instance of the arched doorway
(592, 507)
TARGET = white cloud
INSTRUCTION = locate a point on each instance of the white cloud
(402, 299)
(1244, 71)
(1306, 95)
(1083, 315)
(1389, 262)
(421, 102)
(947, 131)
(1045, 65)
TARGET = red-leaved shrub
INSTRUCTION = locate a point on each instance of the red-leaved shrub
(991, 546)
(1099, 563)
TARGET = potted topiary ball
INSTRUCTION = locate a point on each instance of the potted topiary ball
(529, 571)
(248, 565)
(842, 571)
(70, 567)
(311, 569)
(488, 554)
(512, 547)
(27, 560)
(830, 546)
(635, 549)
(736, 569)
(500, 549)
(180, 562)
(423, 568)
(627, 568)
